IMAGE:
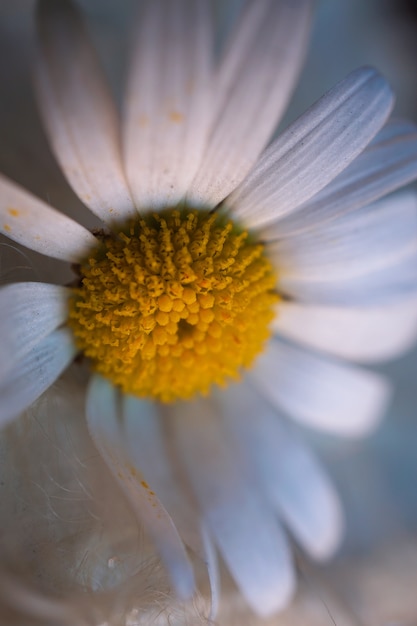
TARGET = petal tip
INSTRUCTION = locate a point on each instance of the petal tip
(277, 596)
(330, 541)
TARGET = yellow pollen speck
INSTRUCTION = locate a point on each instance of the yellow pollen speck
(7, 227)
(174, 303)
(176, 117)
(13, 212)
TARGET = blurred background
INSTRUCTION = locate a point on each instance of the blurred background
(375, 575)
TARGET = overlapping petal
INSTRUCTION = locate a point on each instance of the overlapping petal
(373, 333)
(110, 439)
(256, 77)
(357, 243)
(147, 443)
(288, 474)
(167, 106)
(238, 516)
(388, 163)
(313, 150)
(377, 287)
(78, 112)
(319, 391)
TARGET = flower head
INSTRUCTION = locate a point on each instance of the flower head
(175, 303)
(217, 259)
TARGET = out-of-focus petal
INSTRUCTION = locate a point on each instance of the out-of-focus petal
(145, 442)
(360, 334)
(354, 244)
(288, 473)
(379, 286)
(167, 110)
(244, 527)
(109, 438)
(255, 80)
(321, 392)
(78, 112)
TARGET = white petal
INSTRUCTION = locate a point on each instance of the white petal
(32, 223)
(292, 479)
(26, 598)
(314, 149)
(78, 112)
(147, 446)
(28, 313)
(254, 83)
(383, 286)
(361, 334)
(168, 100)
(389, 162)
(213, 572)
(110, 439)
(247, 533)
(39, 369)
(353, 244)
(321, 392)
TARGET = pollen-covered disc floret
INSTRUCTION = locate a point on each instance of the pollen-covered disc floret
(173, 303)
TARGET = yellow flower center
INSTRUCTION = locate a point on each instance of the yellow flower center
(173, 303)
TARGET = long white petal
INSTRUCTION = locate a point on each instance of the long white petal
(290, 476)
(314, 149)
(255, 80)
(109, 438)
(78, 112)
(388, 163)
(213, 571)
(168, 100)
(360, 334)
(28, 313)
(381, 286)
(320, 392)
(357, 243)
(147, 446)
(32, 223)
(247, 533)
(38, 370)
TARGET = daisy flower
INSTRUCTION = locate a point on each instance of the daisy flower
(228, 284)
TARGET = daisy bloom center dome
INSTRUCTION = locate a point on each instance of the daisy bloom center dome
(174, 302)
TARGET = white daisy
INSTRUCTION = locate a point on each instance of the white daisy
(210, 243)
